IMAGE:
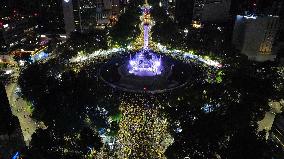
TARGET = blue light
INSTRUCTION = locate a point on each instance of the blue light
(16, 156)
(207, 108)
(40, 56)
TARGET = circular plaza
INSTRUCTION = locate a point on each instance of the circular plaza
(146, 72)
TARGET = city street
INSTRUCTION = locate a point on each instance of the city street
(20, 108)
(267, 122)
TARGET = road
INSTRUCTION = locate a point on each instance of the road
(20, 108)
(267, 122)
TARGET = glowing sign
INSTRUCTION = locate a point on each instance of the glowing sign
(250, 17)
(196, 24)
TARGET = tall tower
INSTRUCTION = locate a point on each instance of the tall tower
(211, 10)
(68, 16)
(146, 26)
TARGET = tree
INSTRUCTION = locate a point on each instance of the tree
(127, 27)
(89, 140)
(7, 119)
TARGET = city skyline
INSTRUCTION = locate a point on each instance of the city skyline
(99, 79)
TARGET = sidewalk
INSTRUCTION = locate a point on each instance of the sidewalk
(267, 122)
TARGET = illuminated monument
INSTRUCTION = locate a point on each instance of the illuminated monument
(145, 62)
(145, 71)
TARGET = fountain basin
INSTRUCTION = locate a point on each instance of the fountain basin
(173, 74)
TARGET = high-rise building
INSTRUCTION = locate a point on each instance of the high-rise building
(81, 15)
(216, 11)
(183, 11)
(50, 18)
(211, 10)
(115, 7)
(203, 11)
(107, 11)
(68, 12)
(254, 36)
(280, 35)
(266, 7)
(107, 4)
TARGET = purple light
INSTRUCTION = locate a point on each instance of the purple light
(146, 36)
(145, 63)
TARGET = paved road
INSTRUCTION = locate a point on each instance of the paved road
(267, 122)
(20, 108)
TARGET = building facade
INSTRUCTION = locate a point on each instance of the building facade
(68, 12)
(82, 15)
(211, 10)
(254, 36)
(183, 11)
(50, 17)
